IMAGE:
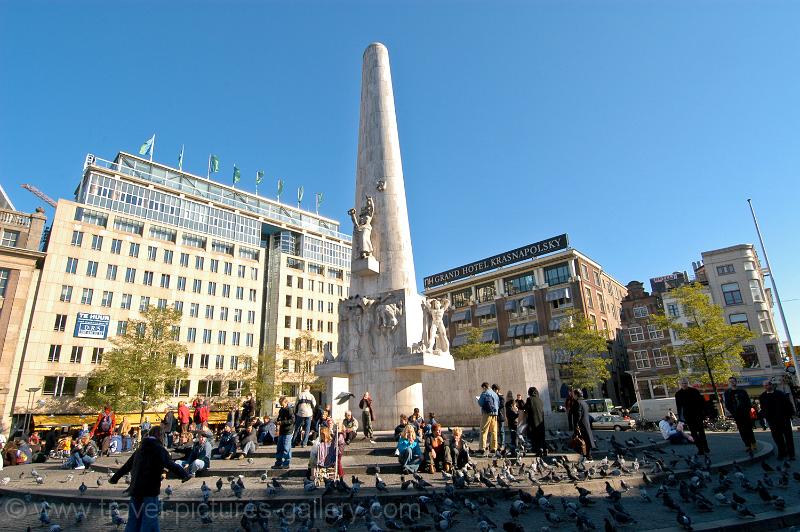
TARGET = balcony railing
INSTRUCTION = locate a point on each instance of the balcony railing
(14, 218)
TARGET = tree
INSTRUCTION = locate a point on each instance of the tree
(474, 348)
(584, 348)
(140, 370)
(305, 359)
(709, 349)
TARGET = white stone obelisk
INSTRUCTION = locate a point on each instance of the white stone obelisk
(384, 325)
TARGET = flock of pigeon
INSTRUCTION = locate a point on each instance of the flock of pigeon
(474, 497)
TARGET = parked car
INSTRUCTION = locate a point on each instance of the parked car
(613, 423)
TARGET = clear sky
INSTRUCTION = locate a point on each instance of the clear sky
(639, 128)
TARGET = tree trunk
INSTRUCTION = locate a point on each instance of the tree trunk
(713, 385)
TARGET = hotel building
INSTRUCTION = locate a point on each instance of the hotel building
(140, 233)
(527, 302)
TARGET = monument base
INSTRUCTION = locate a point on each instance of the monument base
(425, 361)
(365, 266)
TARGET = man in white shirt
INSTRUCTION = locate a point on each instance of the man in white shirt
(303, 412)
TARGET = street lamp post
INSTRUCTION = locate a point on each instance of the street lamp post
(28, 406)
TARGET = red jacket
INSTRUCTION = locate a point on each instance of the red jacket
(183, 415)
(202, 413)
(97, 429)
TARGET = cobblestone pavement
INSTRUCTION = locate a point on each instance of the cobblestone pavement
(227, 511)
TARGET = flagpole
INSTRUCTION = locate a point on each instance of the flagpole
(208, 172)
(153, 147)
(234, 176)
(777, 297)
(180, 162)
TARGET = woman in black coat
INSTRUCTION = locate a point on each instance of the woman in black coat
(534, 412)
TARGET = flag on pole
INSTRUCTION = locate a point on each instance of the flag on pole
(237, 175)
(319, 200)
(299, 194)
(259, 177)
(147, 147)
(180, 159)
(280, 188)
(213, 164)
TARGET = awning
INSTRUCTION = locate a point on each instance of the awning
(511, 304)
(489, 335)
(486, 310)
(560, 293)
(555, 325)
(44, 421)
(532, 328)
(459, 340)
(528, 302)
(512, 331)
(462, 315)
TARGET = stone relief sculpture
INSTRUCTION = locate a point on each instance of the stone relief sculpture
(362, 226)
(434, 331)
(388, 315)
(327, 356)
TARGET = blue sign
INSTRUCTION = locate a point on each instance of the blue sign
(92, 326)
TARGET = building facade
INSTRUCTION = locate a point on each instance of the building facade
(526, 303)
(21, 262)
(142, 234)
(735, 280)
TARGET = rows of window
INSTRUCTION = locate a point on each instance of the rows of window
(316, 285)
(120, 196)
(309, 324)
(637, 334)
(9, 238)
(642, 358)
(62, 386)
(310, 345)
(167, 256)
(309, 304)
(75, 354)
(764, 321)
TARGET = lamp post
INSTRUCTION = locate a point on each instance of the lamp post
(635, 386)
(28, 406)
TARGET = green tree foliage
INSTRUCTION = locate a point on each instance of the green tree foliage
(585, 348)
(474, 348)
(305, 359)
(139, 371)
(711, 349)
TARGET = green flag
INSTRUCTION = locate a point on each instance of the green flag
(280, 187)
(180, 159)
(299, 194)
(319, 200)
(237, 175)
(147, 147)
(213, 163)
(259, 177)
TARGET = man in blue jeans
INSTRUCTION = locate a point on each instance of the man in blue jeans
(145, 466)
(285, 423)
(85, 454)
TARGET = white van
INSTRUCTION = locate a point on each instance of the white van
(653, 410)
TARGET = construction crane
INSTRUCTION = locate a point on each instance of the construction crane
(39, 194)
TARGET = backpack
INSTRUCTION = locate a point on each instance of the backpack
(105, 423)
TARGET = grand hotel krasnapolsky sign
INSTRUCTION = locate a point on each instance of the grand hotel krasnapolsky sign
(549, 245)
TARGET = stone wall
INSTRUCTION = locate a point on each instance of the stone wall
(451, 395)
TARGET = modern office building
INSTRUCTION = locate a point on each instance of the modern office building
(140, 233)
(21, 262)
(523, 296)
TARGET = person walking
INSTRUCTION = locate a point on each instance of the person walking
(501, 415)
(145, 466)
(737, 403)
(303, 412)
(777, 409)
(571, 406)
(104, 427)
(512, 414)
(489, 403)
(583, 424)
(690, 405)
(534, 413)
(285, 424)
(367, 416)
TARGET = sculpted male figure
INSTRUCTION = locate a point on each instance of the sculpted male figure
(437, 333)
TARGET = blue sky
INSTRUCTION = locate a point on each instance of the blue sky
(639, 128)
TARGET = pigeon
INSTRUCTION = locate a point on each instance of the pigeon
(5, 480)
(643, 495)
(380, 485)
(219, 484)
(169, 491)
(309, 485)
(742, 510)
(55, 528)
(44, 516)
(684, 521)
(80, 516)
(343, 397)
(82, 488)
(276, 484)
(116, 519)
(99, 481)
